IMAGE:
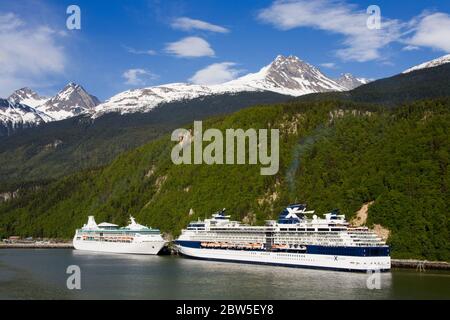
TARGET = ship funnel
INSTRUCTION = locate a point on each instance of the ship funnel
(292, 214)
(91, 223)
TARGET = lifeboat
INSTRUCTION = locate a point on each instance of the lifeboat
(280, 246)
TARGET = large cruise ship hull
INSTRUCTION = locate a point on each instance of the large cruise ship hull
(299, 260)
(145, 248)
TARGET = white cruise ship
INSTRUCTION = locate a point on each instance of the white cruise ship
(298, 239)
(107, 237)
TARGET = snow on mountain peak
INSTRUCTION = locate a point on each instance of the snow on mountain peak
(289, 75)
(286, 75)
(27, 96)
(350, 82)
(71, 101)
(430, 64)
(14, 114)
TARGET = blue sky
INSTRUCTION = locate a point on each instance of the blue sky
(129, 44)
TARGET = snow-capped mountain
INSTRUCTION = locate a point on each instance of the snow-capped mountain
(430, 64)
(144, 100)
(289, 76)
(285, 75)
(28, 97)
(350, 82)
(71, 101)
(15, 115)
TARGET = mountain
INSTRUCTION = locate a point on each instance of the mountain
(91, 142)
(71, 101)
(25, 108)
(350, 82)
(430, 64)
(285, 75)
(289, 76)
(15, 116)
(332, 155)
(28, 97)
(83, 142)
(426, 83)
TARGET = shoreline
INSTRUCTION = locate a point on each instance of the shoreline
(419, 265)
(61, 245)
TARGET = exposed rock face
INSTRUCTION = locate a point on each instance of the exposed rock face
(71, 101)
(361, 215)
(361, 220)
(6, 196)
(28, 97)
(285, 75)
(15, 116)
(350, 82)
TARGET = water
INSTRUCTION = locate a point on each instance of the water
(41, 274)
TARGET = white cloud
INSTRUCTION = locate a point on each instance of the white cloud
(329, 65)
(149, 52)
(216, 73)
(360, 43)
(433, 31)
(190, 47)
(28, 54)
(188, 24)
(138, 77)
(410, 48)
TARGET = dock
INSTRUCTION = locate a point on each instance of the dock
(420, 265)
(66, 245)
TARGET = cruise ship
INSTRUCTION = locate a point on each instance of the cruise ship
(298, 239)
(108, 237)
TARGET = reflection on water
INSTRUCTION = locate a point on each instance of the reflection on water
(41, 274)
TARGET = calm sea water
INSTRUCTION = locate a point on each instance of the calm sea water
(41, 274)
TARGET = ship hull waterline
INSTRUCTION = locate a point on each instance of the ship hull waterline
(141, 248)
(293, 260)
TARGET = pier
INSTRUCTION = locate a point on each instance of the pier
(420, 265)
(35, 245)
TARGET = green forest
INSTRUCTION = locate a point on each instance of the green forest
(333, 154)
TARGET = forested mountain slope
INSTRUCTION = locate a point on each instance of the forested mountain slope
(332, 155)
